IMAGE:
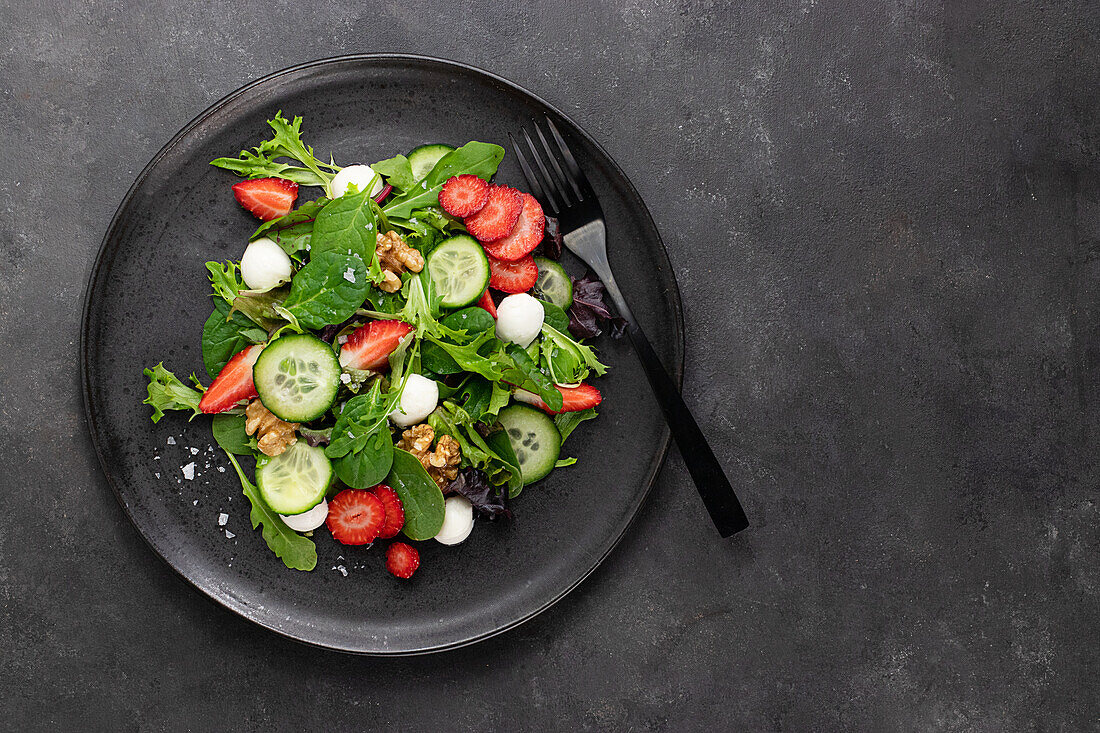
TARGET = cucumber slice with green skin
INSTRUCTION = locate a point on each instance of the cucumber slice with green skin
(424, 158)
(296, 480)
(534, 438)
(459, 271)
(297, 377)
(554, 283)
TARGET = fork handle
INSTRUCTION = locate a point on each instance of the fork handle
(711, 482)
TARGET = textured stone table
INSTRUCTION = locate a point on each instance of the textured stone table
(885, 221)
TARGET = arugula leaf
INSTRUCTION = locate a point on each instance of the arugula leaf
(229, 433)
(526, 373)
(476, 158)
(296, 552)
(361, 417)
(398, 172)
(225, 334)
(419, 494)
(166, 392)
(563, 462)
(328, 290)
(226, 280)
(347, 225)
(261, 161)
(293, 231)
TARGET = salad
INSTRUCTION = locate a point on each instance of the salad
(399, 355)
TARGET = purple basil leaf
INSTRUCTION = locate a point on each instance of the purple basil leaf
(589, 310)
(550, 246)
(489, 501)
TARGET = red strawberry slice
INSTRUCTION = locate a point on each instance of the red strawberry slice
(486, 302)
(369, 346)
(525, 236)
(498, 216)
(513, 277)
(464, 195)
(573, 399)
(395, 511)
(402, 559)
(233, 383)
(267, 198)
(355, 517)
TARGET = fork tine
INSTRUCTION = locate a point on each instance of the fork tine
(565, 181)
(551, 184)
(533, 180)
(578, 178)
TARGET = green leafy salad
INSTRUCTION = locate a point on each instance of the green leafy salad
(400, 355)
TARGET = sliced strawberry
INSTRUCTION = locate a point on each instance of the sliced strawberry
(464, 195)
(369, 346)
(573, 399)
(233, 383)
(395, 511)
(267, 198)
(497, 218)
(486, 302)
(402, 559)
(513, 277)
(355, 517)
(525, 236)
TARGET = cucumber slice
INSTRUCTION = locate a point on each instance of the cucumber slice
(297, 377)
(534, 438)
(296, 480)
(459, 271)
(553, 284)
(424, 158)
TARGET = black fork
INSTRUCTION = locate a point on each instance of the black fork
(564, 191)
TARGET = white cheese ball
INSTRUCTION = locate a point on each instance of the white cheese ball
(458, 520)
(307, 521)
(264, 265)
(519, 319)
(362, 176)
(418, 399)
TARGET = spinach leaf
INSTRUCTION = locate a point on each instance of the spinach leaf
(360, 447)
(364, 468)
(225, 334)
(329, 289)
(166, 392)
(554, 316)
(346, 225)
(472, 320)
(398, 172)
(262, 161)
(230, 435)
(296, 552)
(422, 499)
(476, 158)
(481, 399)
(226, 280)
(294, 231)
(526, 374)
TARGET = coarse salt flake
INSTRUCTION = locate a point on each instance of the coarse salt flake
(341, 339)
(189, 471)
(223, 519)
(221, 469)
(171, 440)
(229, 535)
(349, 275)
(345, 377)
(194, 451)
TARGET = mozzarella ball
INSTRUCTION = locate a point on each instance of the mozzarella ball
(264, 265)
(458, 520)
(519, 319)
(363, 177)
(307, 521)
(418, 399)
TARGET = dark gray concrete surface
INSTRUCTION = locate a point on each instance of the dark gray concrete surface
(885, 220)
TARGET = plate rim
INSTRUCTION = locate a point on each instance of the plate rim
(97, 263)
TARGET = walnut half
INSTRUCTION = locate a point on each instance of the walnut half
(443, 462)
(273, 436)
(396, 257)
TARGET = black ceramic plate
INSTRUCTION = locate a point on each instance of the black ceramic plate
(148, 298)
